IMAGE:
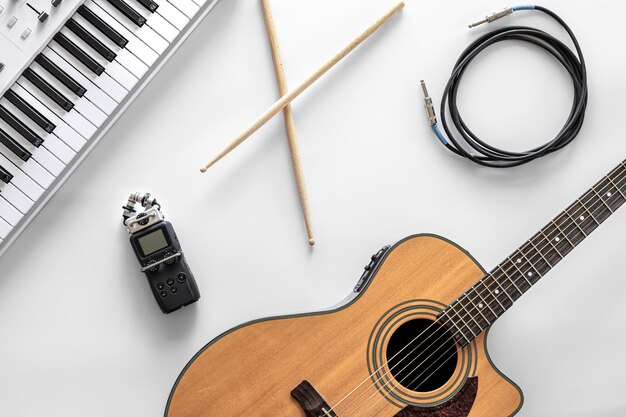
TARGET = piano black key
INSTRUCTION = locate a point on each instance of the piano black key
(47, 89)
(20, 127)
(79, 54)
(90, 40)
(14, 147)
(30, 111)
(61, 75)
(102, 26)
(5, 176)
(129, 12)
(149, 4)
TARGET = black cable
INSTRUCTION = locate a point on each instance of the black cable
(470, 146)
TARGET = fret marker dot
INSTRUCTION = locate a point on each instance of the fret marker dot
(480, 305)
(608, 194)
(557, 238)
(582, 218)
(530, 274)
(519, 260)
(497, 291)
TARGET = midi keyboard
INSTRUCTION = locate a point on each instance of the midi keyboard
(68, 70)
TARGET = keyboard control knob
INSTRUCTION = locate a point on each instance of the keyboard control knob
(56, 3)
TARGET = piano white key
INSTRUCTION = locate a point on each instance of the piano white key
(116, 71)
(122, 75)
(188, 7)
(43, 158)
(123, 56)
(93, 93)
(133, 64)
(81, 104)
(50, 141)
(172, 15)
(135, 45)
(90, 111)
(72, 118)
(22, 177)
(159, 23)
(9, 213)
(5, 229)
(18, 199)
(41, 155)
(58, 148)
(145, 33)
(163, 27)
(63, 131)
(104, 81)
(97, 33)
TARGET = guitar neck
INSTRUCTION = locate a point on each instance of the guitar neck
(495, 293)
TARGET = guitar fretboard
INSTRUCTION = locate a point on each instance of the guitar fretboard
(495, 293)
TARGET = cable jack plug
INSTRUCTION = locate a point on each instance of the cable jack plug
(428, 104)
(493, 16)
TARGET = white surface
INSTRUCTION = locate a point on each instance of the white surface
(81, 334)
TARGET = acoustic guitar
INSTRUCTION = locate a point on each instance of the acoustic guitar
(410, 343)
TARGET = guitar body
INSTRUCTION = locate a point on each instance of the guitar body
(334, 363)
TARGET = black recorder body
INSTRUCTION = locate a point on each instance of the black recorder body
(160, 255)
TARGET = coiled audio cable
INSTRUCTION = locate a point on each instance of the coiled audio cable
(464, 142)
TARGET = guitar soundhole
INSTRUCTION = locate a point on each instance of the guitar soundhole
(422, 355)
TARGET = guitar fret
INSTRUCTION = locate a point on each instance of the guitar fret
(512, 282)
(503, 290)
(478, 308)
(588, 212)
(540, 254)
(564, 234)
(531, 264)
(521, 272)
(547, 239)
(458, 332)
(464, 322)
(599, 209)
(576, 224)
(616, 187)
(460, 301)
(482, 281)
(482, 304)
(601, 199)
(459, 325)
(555, 238)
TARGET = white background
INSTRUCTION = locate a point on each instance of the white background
(80, 332)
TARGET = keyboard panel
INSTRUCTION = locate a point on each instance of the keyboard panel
(65, 81)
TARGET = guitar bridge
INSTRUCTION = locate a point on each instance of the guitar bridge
(311, 401)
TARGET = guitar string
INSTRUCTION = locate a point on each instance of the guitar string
(557, 229)
(610, 184)
(512, 282)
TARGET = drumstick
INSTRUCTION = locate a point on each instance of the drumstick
(287, 98)
(290, 126)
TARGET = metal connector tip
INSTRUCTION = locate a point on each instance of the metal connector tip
(494, 16)
(424, 89)
(428, 104)
(480, 22)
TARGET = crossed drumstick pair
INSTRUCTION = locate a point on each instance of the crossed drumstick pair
(287, 96)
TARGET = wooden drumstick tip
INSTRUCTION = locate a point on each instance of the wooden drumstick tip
(312, 242)
(203, 170)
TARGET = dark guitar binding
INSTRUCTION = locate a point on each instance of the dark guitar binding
(458, 406)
